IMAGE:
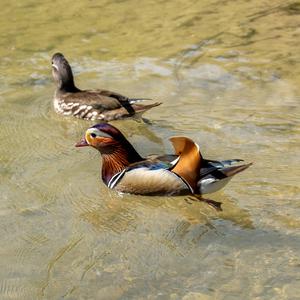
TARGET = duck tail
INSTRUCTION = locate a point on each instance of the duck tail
(225, 163)
(231, 171)
(140, 108)
(138, 100)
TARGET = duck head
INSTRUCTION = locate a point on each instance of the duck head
(117, 153)
(106, 138)
(62, 73)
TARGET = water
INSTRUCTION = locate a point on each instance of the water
(228, 75)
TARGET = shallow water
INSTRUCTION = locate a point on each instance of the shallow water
(228, 75)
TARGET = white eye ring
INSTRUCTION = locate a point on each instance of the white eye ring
(55, 66)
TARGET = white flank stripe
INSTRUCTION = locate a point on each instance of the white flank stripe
(114, 180)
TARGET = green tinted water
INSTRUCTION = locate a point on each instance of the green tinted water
(228, 75)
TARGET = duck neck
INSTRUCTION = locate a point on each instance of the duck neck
(66, 81)
(115, 159)
(68, 86)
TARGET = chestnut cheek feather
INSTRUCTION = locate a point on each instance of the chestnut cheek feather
(100, 141)
(97, 141)
(93, 141)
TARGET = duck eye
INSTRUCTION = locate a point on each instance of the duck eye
(93, 135)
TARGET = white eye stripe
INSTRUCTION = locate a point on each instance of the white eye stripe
(55, 66)
(98, 132)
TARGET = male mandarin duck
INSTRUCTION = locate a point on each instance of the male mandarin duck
(185, 173)
(90, 104)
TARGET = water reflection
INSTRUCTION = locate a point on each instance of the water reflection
(124, 213)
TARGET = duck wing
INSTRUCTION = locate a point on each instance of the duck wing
(217, 169)
(123, 100)
(101, 105)
(95, 98)
(126, 102)
(201, 175)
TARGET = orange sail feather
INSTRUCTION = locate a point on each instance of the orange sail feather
(189, 163)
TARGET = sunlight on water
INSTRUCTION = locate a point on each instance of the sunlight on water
(227, 73)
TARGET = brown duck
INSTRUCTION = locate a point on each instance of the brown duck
(90, 104)
(185, 173)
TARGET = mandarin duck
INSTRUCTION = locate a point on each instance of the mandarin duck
(184, 173)
(90, 104)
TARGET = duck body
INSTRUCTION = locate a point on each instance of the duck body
(97, 104)
(184, 173)
(148, 178)
(157, 178)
